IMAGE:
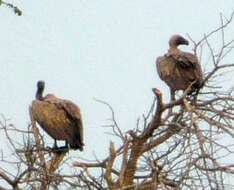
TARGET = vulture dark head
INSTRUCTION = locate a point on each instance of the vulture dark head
(177, 40)
(40, 89)
(41, 84)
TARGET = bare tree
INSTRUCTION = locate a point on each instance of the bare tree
(16, 10)
(186, 148)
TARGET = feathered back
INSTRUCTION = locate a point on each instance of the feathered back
(61, 119)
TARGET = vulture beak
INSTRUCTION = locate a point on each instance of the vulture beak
(184, 41)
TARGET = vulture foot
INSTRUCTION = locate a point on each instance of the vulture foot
(60, 150)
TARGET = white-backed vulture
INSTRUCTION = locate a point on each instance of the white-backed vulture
(60, 118)
(179, 69)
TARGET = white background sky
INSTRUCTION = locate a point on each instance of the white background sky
(102, 49)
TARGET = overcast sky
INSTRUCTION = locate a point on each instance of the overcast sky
(103, 49)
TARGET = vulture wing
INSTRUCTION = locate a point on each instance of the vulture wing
(53, 120)
(179, 70)
(188, 65)
(165, 66)
(73, 113)
(185, 60)
(168, 72)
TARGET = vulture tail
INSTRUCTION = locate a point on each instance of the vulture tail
(75, 145)
(77, 140)
(199, 84)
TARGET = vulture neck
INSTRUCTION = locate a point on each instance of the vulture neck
(173, 49)
(39, 94)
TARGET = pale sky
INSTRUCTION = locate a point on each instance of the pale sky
(103, 49)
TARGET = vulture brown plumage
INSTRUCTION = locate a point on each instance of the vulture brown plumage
(179, 69)
(60, 118)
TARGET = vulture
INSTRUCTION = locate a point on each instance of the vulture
(60, 118)
(179, 69)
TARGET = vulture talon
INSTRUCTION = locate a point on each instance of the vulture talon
(60, 150)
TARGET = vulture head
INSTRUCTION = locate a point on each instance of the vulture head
(177, 40)
(40, 88)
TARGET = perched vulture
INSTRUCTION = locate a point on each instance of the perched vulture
(179, 69)
(60, 118)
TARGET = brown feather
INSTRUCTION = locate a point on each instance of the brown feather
(61, 119)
